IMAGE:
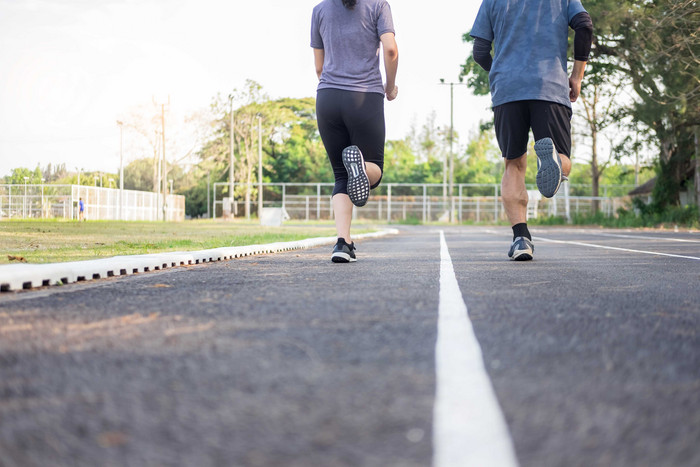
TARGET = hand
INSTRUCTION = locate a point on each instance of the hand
(574, 88)
(391, 93)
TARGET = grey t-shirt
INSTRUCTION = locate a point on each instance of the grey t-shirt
(530, 39)
(350, 39)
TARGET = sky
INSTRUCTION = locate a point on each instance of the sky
(69, 69)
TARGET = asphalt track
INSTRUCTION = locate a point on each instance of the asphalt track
(592, 351)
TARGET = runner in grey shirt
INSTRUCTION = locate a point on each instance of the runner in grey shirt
(350, 39)
(346, 36)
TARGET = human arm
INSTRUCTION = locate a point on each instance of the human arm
(583, 38)
(482, 53)
(575, 80)
(319, 56)
(391, 64)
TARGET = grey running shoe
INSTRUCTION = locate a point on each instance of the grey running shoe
(549, 174)
(358, 182)
(522, 249)
(343, 252)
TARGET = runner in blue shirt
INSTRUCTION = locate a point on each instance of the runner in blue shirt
(530, 89)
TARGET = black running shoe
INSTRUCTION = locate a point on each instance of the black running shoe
(358, 182)
(549, 173)
(522, 249)
(343, 252)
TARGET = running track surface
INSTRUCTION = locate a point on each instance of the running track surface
(587, 356)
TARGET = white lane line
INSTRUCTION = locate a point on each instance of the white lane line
(593, 245)
(646, 237)
(469, 427)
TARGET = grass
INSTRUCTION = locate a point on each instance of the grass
(51, 241)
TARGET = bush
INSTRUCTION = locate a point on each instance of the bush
(641, 215)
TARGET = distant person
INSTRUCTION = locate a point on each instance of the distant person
(530, 89)
(81, 210)
(346, 37)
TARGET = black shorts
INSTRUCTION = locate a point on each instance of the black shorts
(514, 120)
(347, 118)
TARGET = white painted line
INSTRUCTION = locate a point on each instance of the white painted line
(646, 237)
(593, 245)
(468, 427)
(20, 276)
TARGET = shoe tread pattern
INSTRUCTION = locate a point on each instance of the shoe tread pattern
(358, 186)
(548, 173)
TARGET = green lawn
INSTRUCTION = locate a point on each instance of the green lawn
(39, 241)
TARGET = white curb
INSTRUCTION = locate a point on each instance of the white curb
(27, 276)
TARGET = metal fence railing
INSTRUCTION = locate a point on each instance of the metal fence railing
(403, 202)
(61, 201)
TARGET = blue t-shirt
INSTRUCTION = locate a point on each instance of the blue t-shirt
(530, 39)
(350, 40)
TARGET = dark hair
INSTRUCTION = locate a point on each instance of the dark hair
(349, 3)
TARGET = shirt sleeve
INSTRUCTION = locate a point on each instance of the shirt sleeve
(316, 39)
(482, 24)
(385, 22)
(575, 7)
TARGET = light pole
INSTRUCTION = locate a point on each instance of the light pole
(208, 200)
(164, 162)
(232, 157)
(452, 163)
(121, 169)
(24, 201)
(42, 196)
(260, 169)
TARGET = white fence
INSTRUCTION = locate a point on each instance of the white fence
(61, 201)
(405, 202)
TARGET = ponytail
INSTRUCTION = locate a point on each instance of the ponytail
(349, 3)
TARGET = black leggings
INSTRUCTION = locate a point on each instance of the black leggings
(347, 118)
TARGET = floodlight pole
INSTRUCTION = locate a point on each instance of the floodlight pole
(260, 169)
(232, 158)
(24, 201)
(42, 196)
(164, 165)
(121, 170)
(452, 168)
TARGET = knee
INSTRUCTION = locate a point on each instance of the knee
(516, 167)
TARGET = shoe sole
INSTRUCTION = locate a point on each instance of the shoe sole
(342, 258)
(522, 256)
(549, 172)
(358, 182)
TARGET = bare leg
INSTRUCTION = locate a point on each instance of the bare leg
(342, 208)
(513, 190)
(374, 173)
(565, 165)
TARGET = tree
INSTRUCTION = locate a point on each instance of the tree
(138, 175)
(291, 145)
(18, 175)
(483, 162)
(656, 45)
(601, 112)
